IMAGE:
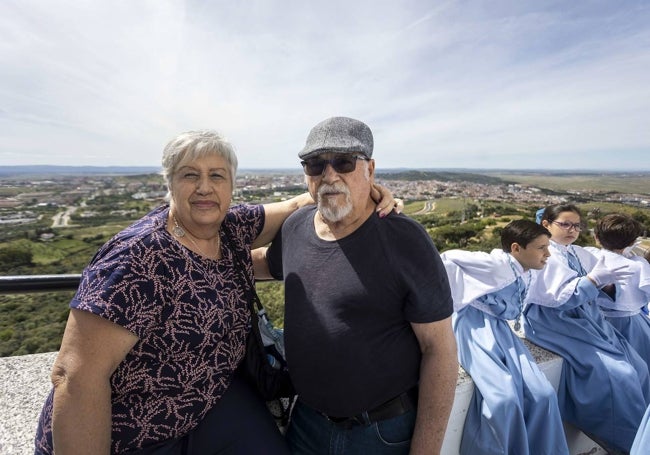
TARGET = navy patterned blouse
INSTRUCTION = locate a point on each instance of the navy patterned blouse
(189, 314)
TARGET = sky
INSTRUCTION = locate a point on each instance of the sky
(494, 84)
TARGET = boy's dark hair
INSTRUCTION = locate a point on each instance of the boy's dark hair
(522, 232)
(553, 211)
(617, 231)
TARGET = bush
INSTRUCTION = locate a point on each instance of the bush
(15, 256)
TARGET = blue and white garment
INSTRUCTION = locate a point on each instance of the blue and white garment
(604, 386)
(642, 439)
(514, 408)
(624, 311)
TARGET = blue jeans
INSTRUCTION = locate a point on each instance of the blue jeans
(310, 433)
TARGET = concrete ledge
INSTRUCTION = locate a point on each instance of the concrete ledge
(25, 383)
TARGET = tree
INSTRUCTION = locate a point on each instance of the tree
(454, 236)
(15, 256)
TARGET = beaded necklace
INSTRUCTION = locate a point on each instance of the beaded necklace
(568, 252)
(571, 251)
(521, 293)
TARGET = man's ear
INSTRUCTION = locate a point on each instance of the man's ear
(515, 248)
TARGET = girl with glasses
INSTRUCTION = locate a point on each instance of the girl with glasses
(604, 388)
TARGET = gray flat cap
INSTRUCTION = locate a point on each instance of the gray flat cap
(340, 135)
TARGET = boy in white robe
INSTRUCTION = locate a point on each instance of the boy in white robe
(617, 233)
(514, 409)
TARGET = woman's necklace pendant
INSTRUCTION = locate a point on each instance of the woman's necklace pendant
(517, 325)
(177, 230)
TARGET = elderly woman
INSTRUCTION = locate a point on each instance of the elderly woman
(159, 324)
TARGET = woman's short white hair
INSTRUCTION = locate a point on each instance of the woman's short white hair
(189, 146)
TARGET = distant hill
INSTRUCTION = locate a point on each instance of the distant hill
(44, 170)
(487, 176)
(442, 176)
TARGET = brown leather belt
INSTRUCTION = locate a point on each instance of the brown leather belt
(394, 407)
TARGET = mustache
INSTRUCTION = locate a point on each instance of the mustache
(333, 188)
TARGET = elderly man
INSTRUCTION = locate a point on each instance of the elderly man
(368, 311)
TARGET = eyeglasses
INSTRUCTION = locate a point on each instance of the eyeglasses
(567, 226)
(340, 163)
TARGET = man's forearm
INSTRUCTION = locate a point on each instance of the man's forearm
(438, 377)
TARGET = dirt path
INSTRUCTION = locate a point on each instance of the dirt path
(62, 219)
(429, 206)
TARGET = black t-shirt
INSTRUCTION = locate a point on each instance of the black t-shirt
(349, 304)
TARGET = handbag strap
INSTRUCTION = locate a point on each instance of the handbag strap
(241, 268)
(254, 300)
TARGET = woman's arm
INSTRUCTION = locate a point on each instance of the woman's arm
(91, 350)
(277, 212)
(274, 215)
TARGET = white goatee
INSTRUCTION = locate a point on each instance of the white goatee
(333, 212)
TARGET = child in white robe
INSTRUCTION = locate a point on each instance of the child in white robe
(604, 386)
(616, 233)
(514, 408)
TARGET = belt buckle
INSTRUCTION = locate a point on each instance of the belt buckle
(336, 419)
(342, 422)
(362, 419)
(348, 422)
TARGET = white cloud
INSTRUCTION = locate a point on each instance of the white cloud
(499, 84)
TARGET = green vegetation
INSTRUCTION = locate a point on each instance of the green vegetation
(587, 182)
(31, 323)
(442, 176)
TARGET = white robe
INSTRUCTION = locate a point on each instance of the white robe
(604, 388)
(514, 408)
(624, 311)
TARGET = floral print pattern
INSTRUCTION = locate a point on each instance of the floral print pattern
(190, 315)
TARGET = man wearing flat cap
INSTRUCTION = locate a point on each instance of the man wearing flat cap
(368, 311)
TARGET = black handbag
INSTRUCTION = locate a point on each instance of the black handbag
(264, 364)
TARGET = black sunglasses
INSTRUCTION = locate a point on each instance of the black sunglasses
(340, 163)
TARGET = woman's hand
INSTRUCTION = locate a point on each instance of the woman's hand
(386, 203)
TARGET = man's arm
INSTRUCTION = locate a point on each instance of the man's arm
(438, 376)
(91, 350)
(260, 264)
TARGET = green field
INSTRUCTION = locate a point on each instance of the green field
(622, 183)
